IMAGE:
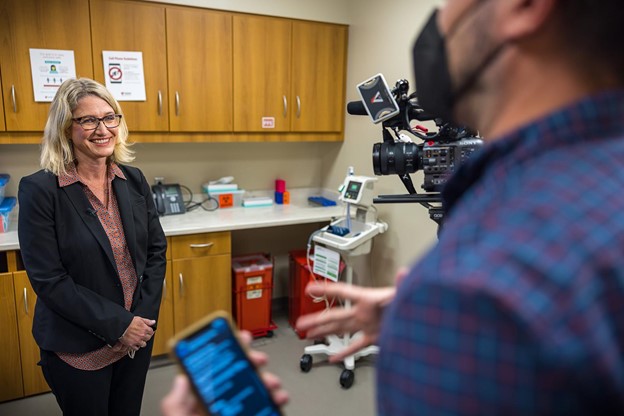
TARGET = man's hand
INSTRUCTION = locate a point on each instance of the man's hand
(364, 315)
(138, 333)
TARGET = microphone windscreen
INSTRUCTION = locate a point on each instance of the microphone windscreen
(356, 108)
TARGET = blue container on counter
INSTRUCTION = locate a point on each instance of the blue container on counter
(4, 179)
(6, 206)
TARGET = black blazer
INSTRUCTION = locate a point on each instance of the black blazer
(70, 264)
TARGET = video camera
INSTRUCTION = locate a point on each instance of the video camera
(438, 156)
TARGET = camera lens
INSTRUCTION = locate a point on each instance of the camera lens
(396, 158)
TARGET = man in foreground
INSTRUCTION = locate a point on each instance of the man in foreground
(519, 308)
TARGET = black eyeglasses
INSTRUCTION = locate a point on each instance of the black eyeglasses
(92, 122)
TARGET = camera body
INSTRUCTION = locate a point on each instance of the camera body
(437, 159)
(438, 156)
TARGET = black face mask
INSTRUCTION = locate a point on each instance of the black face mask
(434, 86)
(433, 80)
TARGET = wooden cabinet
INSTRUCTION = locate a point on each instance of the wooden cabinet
(10, 362)
(132, 26)
(21, 376)
(209, 75)
(262, 54)
(288, 75)
(165, 317)
(199, 47)
(2, 125)
(318, 77)
(49, 24)
(201, 275)
(25, 299)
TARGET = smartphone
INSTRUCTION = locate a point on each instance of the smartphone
(224, 379)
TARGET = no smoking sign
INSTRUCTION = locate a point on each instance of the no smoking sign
(115, 73)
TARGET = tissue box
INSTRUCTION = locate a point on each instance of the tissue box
(6, 206)
(4, 179)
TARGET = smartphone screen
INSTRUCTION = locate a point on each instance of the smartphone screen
(224, 378)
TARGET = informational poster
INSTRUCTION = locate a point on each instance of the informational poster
(49, 68)
(326, 263)
(123, 72)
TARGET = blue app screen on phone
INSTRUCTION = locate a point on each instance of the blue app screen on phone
(224, 377)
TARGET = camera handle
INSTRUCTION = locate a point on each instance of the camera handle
(436, 213)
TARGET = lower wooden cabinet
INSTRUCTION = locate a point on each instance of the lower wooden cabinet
(201, 276)
(164, 329)
(202, 285)
(11, 386)
(25, 299)
(20, 374)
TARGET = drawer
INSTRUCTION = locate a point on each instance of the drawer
(168, 248)
(200, 245)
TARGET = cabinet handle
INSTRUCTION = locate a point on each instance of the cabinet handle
(298, 107)
(177, 103)
(13, 98)
(26, 301)
(285, 105)
(181, 285)
(204, 245)
(159, 103)
(164, 295)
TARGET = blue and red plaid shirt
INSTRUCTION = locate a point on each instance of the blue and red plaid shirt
(519, 308)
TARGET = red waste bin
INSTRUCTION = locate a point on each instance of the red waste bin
(252, 283)
(298, 302)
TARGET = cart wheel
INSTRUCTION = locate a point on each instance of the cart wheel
(346, 378)
(305, 363)
(269, 334)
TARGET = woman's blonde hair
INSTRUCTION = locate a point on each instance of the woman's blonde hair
(56, 149)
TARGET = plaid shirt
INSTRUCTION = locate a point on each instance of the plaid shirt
(519, 308)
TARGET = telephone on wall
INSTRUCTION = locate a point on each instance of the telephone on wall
(168, 199)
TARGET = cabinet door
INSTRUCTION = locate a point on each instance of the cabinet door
(201, 285)
(165, 316)
(318, 75)
(262, 54)
(25, 298)
(10, 362)
(199, 47)
(2, 125)
(129, 26)
(40, 24)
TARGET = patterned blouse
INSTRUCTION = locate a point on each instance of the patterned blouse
(111, 222)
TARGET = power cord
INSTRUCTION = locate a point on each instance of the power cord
(209, 203)
(317, 299)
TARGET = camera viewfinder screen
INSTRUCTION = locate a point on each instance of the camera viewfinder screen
(223, 376)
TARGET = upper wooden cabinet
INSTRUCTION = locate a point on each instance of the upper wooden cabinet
(2, 125)
(318, 77)
(288, 75)
(262, 56)
(40, 24)
(131, 26)
(209, 75)
(199, 47)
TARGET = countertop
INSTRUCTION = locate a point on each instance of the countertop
(299, 211)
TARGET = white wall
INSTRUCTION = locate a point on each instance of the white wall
(334, 11)
(381, 35)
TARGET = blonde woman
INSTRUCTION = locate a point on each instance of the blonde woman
(94, 251)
